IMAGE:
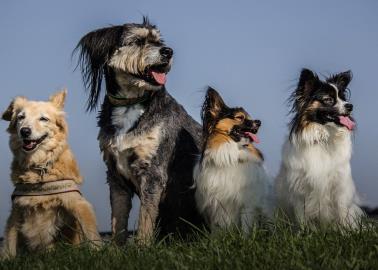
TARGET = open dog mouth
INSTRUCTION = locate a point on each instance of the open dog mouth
(249, 134)
(30, 145)
(343, 120)
(156, 74)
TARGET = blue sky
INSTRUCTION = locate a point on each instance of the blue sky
(251, 51)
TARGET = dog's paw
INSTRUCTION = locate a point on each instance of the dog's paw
(96, 244)
(5, 255)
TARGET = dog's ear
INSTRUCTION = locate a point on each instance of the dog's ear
(341, 80)
(8, 114)
(214, 102)
(308, 82)
(95, 49)
(211, 109)
(58, 99)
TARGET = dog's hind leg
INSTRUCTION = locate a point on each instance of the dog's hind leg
(11, 235)
(121, 203)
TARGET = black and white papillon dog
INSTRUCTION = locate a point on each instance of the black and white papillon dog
(315, 180)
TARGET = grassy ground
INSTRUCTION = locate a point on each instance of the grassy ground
(273, 247)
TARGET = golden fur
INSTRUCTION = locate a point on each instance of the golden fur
(37, 222)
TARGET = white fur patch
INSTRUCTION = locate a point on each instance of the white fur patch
(126, 142)
(230, 189)
(124, 118)
(315, 180)
(340, 104)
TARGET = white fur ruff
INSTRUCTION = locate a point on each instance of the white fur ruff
(232, 187)
(315, 180)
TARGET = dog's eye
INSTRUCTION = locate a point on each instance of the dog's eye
(240, 117)
(43, 119)
(20, 117)
(328, 101)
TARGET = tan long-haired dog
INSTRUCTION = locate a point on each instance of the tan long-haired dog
(46, 204)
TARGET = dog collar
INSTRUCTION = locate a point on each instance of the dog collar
(45, 188)
(124, 102)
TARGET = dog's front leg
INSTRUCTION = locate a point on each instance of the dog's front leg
(121, 203)
(83, 212)
(150, 195)
(149, 210)
(11, 235)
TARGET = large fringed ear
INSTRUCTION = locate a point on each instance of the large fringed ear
(211, 109)
(308, 82)
(58, 99)
(341, 80)
(95, 49)
(214, 102)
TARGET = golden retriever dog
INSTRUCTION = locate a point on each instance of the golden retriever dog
(47, 205)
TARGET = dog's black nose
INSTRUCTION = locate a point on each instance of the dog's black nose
(257, 123)
(25, 132)
(349, 107)
(166, 52)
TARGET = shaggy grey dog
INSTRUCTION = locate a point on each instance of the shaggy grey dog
(148, 140)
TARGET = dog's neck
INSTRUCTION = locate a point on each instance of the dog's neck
(317, 134)
(130, 91)
(45, 166)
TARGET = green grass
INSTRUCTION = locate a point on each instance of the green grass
(273, 247)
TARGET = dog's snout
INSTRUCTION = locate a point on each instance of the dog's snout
(166, 52)
(348, 107)
(25, 132)
(255, 126)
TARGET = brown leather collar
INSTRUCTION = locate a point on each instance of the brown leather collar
(45, 188)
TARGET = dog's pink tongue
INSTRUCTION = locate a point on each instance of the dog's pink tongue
(347, 122)
(29, 145)
(252, 136)
(160, 78)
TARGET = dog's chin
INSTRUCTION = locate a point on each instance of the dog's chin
(30, 146)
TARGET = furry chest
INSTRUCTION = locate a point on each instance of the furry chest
(132, 147)
(233, 183)
(322, 161)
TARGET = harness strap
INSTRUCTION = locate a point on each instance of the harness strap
(45, 188)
